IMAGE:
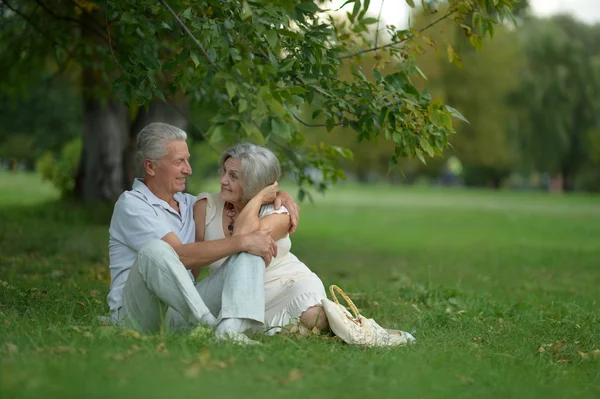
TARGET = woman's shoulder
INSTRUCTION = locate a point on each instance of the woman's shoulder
(213, 201)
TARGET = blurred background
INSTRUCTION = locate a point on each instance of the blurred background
(532, 97)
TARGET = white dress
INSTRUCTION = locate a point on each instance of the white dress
(290, 286)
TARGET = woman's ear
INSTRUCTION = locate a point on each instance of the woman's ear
(149, 167)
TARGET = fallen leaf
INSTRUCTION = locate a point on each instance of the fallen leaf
(87, 334)
(161, 348)
(294, 376)
(204, 356)
(562, 361)
(61, 349)
(192, 371)
(135, 347)
(464, 379)
(315, 331)
(6, 322)
(261, 358)
(557, 346)
(11, 348)
(128, 332)
(119, 357)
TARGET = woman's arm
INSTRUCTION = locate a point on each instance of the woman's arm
(200, 221)
(200, 218)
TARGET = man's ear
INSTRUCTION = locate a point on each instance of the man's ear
(149, 167)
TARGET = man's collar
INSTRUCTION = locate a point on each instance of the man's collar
(142, 188)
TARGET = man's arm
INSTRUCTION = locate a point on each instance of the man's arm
(199, 254)
(286, 200)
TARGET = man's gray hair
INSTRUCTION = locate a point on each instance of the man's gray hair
(152, 141)
(260, 167)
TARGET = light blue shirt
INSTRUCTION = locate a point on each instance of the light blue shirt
(139, 217)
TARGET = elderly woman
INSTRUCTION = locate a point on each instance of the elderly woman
(249, 175)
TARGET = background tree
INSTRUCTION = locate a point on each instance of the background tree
(558, 93)
(258, 61)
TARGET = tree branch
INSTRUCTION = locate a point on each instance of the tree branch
(28, 19)
(423, 29)
(186, 29)
(318, 124)
(69, 19)
(108, 33)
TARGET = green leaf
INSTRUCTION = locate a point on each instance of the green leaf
(272, 38)
(194, 58)
(411, 3)
(216, 134)
(426, 146)
(450, 52)
(242, 105)
(369, 21)
(160, 95)
(455, 113)
(419, 154)
(276, 107)
(231, 87)
(166, 25)
(440, 118)
(254, 134)
(420, 72)
(280, 128)
(308, 7)
(187, 14)
(477, 22)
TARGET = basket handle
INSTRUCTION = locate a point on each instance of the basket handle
(333, 289)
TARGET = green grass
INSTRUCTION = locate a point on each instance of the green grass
(482, 278)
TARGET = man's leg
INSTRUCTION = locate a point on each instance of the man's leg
(236, 291)
(158, 280)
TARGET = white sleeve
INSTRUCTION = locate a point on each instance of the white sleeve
(269, 209)
(135, 223)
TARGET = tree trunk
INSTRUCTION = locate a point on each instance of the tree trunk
(105, 131)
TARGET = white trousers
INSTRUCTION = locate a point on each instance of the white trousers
(159, 291)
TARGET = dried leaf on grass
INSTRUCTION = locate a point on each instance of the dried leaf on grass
(161, 348)
(591, 355)
(11, 348)
(464, 379)
(293, 376)
(204, 361)
(552, 348)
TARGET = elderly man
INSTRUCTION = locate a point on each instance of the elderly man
(152, 244)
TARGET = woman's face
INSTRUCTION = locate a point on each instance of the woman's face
(231, 189)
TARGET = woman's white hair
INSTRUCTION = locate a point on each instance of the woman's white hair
(152, 141)
(259, 167)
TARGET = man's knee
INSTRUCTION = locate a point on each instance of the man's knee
(158, 251)
(246, 261)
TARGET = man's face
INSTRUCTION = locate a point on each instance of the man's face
(171, 171)
(231, 189)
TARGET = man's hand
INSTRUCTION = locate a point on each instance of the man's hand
(261, 244)
(268, 194)
(286, 200)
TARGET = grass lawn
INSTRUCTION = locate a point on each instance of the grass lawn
(501, 291)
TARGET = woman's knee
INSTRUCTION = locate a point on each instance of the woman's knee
(315, 317)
